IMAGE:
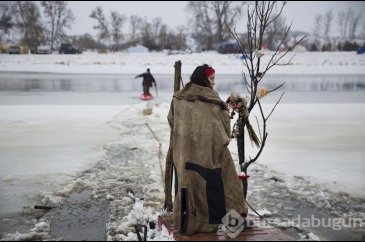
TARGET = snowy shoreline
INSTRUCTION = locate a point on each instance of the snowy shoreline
(163, 63)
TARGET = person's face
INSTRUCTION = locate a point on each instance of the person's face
(211, 80)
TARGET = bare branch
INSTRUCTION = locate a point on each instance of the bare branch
(262, 112)
(245, 78)
(247, 85)
(247, 164)
(289, 49)
(264, 138)
(243, 51)
(273, 62)
(277, 16)
(250, 41)
(258, 127)
(277, 49)
(255, 29)
(274, 106)
(273, 90)
(287, 63)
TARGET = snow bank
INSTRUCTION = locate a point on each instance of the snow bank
(162, 63)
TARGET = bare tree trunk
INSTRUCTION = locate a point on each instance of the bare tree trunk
(23, 19)
(327, 26)
(210, 17)
(354, 24)
(59, 17)
(241, 152)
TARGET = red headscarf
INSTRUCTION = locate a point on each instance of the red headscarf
(209, 71)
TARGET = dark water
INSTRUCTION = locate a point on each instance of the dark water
(126, 83)
(80, 218)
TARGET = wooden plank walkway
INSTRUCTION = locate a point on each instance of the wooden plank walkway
(259, 233)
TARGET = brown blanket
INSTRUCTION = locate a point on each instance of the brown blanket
(207, 185)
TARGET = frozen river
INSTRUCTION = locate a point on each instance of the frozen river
(54, 126)
(126, 83)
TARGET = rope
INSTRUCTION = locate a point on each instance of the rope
(160, 156)
(182, 83)
(261, 217)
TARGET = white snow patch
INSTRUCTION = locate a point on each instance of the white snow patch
(41, 227)
(40, 232)
(264, 212)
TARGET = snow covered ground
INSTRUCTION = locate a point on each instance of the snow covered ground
(162, 63)
(49, 139)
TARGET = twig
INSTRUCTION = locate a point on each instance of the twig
(247, 85)
(265, 134)
(275, 106)
(258, 127)
(273, 90)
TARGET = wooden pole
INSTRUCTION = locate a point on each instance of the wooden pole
(177, 76)
(169, 158)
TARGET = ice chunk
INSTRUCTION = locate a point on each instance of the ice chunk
(41, 227)
(264, 212)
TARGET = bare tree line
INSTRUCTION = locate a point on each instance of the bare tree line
(348, 23)
(22, 22)
(155, 34)
(24, 18)
(209, 20)
(58, 17)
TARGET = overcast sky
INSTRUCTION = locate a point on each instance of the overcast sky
(174, 13)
